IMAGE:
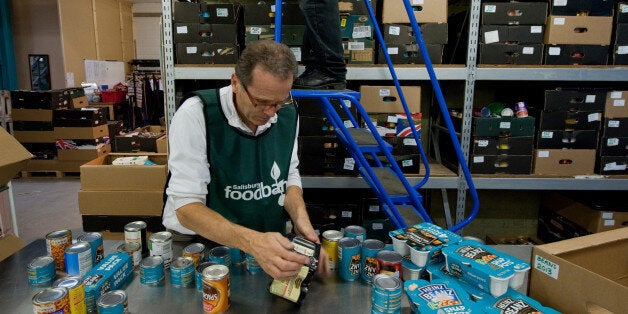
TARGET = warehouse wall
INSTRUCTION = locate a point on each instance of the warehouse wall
(147, 30)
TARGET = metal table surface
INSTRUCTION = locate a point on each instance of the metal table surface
(249, 292)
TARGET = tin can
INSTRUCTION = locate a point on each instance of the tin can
(76, 292)
(237, 256)
(357, 232)
(56, 242)
(132, 249)
(521, 109)
(78, 259)
(152, 270)
(182, 272)
(199, 273)
(389, 263)
(386, 294)
(96, 244)
(195, 251)
(409, 271)
(216, 289)
(330, 244)
(135, 232)
(51, 300)
(220, 255)
(113, 302)
(41, 271)
(160, 244)
(368, 258)
(252, 266)
(349, 258)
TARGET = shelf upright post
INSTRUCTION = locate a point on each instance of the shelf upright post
(469, 89)
(167, 60)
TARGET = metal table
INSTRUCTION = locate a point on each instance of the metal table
(249, 292)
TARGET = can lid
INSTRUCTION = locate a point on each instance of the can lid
(59, 233)
(194, 248)
(68, 282)
(41, 261)
(90, 236)
(111, 298)
(386, 282)
(182, 262)
(215, 272)
(78, 247)
(136, 225)
(355, 229)
(49, 295)
(348, 242)
(332, 235)
(373, 244)
(161, 236)
(220, 251)
(389, 256)
(151, 261)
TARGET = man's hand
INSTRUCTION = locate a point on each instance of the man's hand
(306, 231)
(274, 254)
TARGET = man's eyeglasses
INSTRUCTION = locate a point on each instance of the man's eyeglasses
(284, 103)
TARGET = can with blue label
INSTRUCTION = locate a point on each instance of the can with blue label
(199, 273)
(237, 256)
(368, 260)
(113, 302)
(41, 271)
(78, 259)
(354, 231)
(220, 255)
(349, 258)
(386, 294)
(152, 270)
(182, 272)
(252, 266)
(96, 245)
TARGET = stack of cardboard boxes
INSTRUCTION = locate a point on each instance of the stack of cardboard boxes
(620, 45)
(356, 30)
(614, 143)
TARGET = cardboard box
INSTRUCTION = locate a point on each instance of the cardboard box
(613, 165)
(503, 126)
(583, 7)
(10, 244)
(576, 54)
(35, 136)
(116, 223)
(512, 34)
(6, 218)
(533, 13)
(616, 104)
(490, 164)
(385, 99)
(134, 202)
(356, 27)
(429, 11)
(38, 165)
(615, 127)
(498, 53)
(13, 159)
(162, 145)
(81, 133)
(83, 154)
(100, 175)
(357, 6)
(575, 139)
(583, 30)
(580, 99)
(571, 120)
(598, 219)
(44, 115)
(139, 143)
(433, 33)
(79, 102)
(564, 162)
(583, 275)
(359, 51)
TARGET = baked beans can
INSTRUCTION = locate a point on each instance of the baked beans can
(152, 270)
(51, 300)
(199, 273)
(216, 289)
(389, 263)
(135, 232)
(41, 271)
(95, 243)
(237, 256)
(113, 302)
(78, 259)
(182, 272)
(76, 292)
(195, 251)
(368, 258)
(386, 294)
(349, 258)
(56, 242)
(354, 231)
(220, 255)
(160, 244)
(330, 244)
(132, 249)
(252, 266)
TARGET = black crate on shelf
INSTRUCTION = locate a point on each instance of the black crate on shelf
(530, 13)
(614, 146)
(580, 99)
(33, 126)
(51, 99)
(41, 150)
(85, 117)
(508, 164)
(613, 165)
(512, 34)
(510, 145)
(571, 120)
(583, 7)
(499, 53)
(576, 54)
(615, 127)
(575, 139)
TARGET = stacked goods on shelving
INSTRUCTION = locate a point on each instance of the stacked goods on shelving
(579, 32)
(508, 38)
(206, 33)
(569, 131)
(620, 48)
(356, 29)
(383, 105)
(151, 138)
(502, 140)
(613, 146)
(399, 37)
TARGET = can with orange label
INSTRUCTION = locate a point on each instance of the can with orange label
(216, 289)
(56, 242)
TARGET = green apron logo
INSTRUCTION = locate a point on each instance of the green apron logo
(259, 190)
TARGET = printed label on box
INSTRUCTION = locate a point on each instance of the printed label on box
(346, 214)
(394, 30)
(613, 123)
(407, 163)
(536, 29)
(356, 46)
(374, 208)
(554, 51)
(609, 223)
(607, 215)
(623, 8)
(409, 142)
(559, 21)
(594, 117)
(297, 52)
(613, 166)
(622, 50)
(349, 164)
(377, 226)
(547, 134)
(619, 103)
(490, 8)
(256, 30)
(482, 143)
(417, 2)
(393, 50)
(545, 266)
(384, 92)
(560, 3)
(478, 159)
(616, 95)
(182, 29)
(590, 99)
(222, 12)
(504, 125)
(491, 37)
(361, 31)
(528, 50)
(191, 50)
(543, 154)
(612, 141)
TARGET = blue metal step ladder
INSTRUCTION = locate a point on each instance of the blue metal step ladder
(364, 144)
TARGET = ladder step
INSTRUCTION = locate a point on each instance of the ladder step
(366, 141)
(390, 181)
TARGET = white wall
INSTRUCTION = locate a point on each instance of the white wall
(147, 30)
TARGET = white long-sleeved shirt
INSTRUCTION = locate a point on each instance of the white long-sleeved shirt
(188, 163)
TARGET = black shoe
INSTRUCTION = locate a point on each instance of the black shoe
(315, 79)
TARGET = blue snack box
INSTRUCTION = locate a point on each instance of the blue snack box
(426, 241)
(439, 271)
(110, 274)
(514, 302)
(439, 296)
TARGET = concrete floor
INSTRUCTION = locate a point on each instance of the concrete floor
(43, 205)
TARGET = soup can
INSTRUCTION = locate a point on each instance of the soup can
(41, 271)
(216, 289)
(135, 232)
(220, 255)
(95, 243)
(132, 249)
(386, 293)
(113, 302)
(330, 245)
(199, 273)
(182, 272)
(160, 244)
(51, 300)
(78, 259)
(195, 251)
(349, 258)
(152, 270)
(368, 258)
(76, 292)
(56, 242)
(389, 263)
(354, 231)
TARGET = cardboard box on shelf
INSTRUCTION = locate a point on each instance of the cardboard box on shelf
(35, 136)
(594, 215)
(385, 99)
(564, 162)
(430, 11)
(585, 30)
(81, 133)
(13, 159)
(132, 202)
(616, 104)
(576, 54)
(100, 175)
(496, 13)
(583, 275)
(40, 165)
(83, 154)
(44, 115)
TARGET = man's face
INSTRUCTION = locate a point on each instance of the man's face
(260, 99)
